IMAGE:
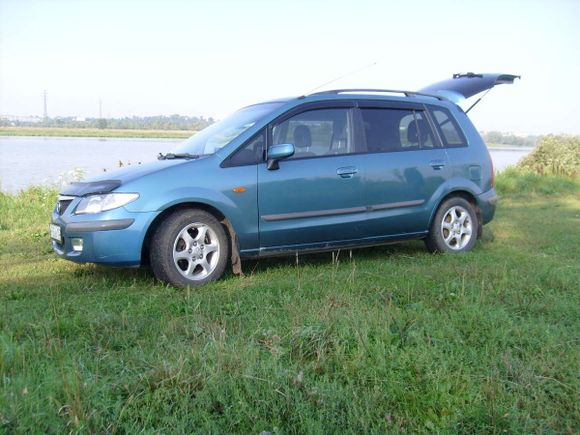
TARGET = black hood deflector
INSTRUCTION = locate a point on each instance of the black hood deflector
(90, 188)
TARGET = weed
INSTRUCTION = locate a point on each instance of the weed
(554, 155)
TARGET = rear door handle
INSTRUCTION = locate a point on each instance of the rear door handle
(347, 171)
(437, 164)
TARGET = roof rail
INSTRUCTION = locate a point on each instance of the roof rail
(387, 91)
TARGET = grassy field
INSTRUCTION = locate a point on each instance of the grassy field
(92, 132)
(392, 339)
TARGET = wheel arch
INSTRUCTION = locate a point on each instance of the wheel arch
(469, 197)
(190, 205)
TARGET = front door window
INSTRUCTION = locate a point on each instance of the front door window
(316, 133)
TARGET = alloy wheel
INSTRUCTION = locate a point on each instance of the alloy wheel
(456, 228)
(196, 251)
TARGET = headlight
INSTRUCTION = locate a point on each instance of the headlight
(98, 203)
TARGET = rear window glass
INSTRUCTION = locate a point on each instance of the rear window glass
(448, 129)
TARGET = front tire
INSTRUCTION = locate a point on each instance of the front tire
(189, 249)
(454, 228)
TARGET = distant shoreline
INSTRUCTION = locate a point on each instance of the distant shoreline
(94, 132)
(508, 147)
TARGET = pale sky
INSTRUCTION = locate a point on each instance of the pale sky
(212, 57)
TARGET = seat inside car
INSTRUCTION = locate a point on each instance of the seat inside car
(338, 142)
(381, 133)
(303, 141)
(419, 134)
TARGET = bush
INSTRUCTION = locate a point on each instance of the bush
(515, 181)
(554, 155)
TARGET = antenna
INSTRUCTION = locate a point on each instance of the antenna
(341, 77)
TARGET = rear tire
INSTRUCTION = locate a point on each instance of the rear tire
(454, 227)
(189, 249)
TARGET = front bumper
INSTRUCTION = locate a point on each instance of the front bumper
(114, 238)
(487, 203)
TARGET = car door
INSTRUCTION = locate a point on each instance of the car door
(314, 198)
(404, 168)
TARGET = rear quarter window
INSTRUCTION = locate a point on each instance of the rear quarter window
(449, 130)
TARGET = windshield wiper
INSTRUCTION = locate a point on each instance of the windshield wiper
(171, 156)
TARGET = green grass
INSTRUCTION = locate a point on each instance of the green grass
(93, 132)
(522, 183)
(391, 340)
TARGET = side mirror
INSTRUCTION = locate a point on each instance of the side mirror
(279, 152)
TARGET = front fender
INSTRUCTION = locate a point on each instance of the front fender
(208, 184)
(183, 195)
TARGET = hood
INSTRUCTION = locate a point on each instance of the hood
(109, 181)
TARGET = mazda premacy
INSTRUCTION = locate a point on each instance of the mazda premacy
(335, 169)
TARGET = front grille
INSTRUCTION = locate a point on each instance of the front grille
(63, 203)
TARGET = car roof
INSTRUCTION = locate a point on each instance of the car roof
(379, 93)
(353, 94)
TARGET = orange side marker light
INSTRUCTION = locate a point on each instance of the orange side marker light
(239, 189)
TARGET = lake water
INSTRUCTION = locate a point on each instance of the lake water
(30, 161)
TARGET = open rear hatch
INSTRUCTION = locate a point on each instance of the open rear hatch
(463, 86)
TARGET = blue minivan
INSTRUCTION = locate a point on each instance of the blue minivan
(334, 169)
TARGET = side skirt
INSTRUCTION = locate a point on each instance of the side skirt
(280, 251)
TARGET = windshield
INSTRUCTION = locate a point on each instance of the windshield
(218, 135)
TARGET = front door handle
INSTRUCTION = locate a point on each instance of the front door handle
(437, 164)
(347, 171)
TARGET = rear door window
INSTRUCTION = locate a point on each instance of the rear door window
(389, 130)
(449, 130)
(424, 131)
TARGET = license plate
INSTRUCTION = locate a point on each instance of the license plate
(55, 233)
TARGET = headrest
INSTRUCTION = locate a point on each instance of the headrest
(416, 128)
(302, 137)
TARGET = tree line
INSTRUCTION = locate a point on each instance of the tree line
(497, 137)
(161, 122)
